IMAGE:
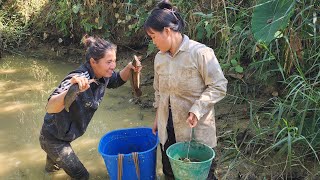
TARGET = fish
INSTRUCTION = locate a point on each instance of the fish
(72, 94)
(135, 77)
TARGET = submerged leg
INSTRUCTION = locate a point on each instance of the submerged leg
(62, 154)
(51, 166)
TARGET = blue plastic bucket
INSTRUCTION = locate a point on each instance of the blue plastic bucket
(126, 141)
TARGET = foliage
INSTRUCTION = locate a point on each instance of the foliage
(14, 22)
(205, 26)
(277, 48)
(12, 30)
(118, 20)
(233, 66)
(270, 16)
(286, 136)
(68, 16)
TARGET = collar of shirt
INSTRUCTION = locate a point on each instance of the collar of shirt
(184, 46)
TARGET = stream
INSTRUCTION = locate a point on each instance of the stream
(25, 84)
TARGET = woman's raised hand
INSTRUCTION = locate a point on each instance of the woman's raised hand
(82, 82)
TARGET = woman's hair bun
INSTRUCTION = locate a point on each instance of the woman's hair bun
(164, 4)
(87, 40)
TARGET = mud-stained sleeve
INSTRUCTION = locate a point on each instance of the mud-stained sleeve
(216, 83)
(65, 83)
(156, 90)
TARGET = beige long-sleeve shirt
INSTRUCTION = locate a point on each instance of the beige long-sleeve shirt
(192, 80)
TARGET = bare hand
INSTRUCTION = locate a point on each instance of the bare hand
(81, 81)
(192, 120)
(138, 64)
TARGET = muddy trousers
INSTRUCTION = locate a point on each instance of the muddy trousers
(167, 170)
(61, 155)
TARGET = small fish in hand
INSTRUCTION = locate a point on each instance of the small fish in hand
(72, 94)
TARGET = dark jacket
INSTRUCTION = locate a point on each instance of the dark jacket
(70, 125)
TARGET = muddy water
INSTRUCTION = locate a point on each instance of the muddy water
(25, 84)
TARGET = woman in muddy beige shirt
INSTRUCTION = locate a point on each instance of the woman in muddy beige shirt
(188, 82)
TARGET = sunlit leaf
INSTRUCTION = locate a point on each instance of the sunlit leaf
(239, 69)
(278, 34)
(234, 62)
(76, 8)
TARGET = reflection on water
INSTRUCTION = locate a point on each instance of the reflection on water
(25, 84)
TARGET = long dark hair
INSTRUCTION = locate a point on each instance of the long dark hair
(164, 15)
(96, 47)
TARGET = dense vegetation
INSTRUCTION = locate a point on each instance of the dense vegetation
(262, 44)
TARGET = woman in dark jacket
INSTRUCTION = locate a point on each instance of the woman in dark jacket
(61, 127)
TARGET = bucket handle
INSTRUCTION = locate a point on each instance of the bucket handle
(120, 160)
(135, 158)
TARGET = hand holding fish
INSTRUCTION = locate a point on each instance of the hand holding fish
(83, 83)
(135, 76)
(135, 65)
(79, 84)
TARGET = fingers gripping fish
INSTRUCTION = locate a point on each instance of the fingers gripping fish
(135, 77)
(72, 94)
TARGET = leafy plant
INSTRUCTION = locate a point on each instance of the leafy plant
(204, 28)
(270, 16)
(64, 17)
(13, 31)
(233, 66)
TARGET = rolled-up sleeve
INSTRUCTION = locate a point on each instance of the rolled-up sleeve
(216, 83)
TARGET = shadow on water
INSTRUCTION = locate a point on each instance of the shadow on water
(25, 84)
